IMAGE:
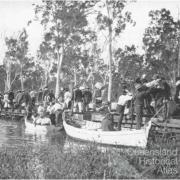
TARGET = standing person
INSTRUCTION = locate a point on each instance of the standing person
(6, 101)
(177, 92)
(51, 96)
(45, 92)
(56, 110)
(98, 93)
(1, 101)
(45, 96)
(87, 98)
(11, 99)
(78, 99)
(67, 98)
(123, 99)
(40, 96)
(141, 93)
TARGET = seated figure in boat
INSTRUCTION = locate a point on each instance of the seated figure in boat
(122, 102)
(77, 98)
(107, 123)
(41, 119)
(55, 111)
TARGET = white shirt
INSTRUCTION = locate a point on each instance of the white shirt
(67, 95)
(57, 106)
(152, 83)
(123, 99)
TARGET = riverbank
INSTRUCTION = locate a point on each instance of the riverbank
(90, 162)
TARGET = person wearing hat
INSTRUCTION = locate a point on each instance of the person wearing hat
(67, 98)
(141, 93)
(123, 100)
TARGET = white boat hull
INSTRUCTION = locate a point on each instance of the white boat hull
(40, 129)
(125, 137)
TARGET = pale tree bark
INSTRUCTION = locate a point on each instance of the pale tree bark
(21, 77)
(110, 53)
(75, 77)
(46, 77)
(8, 76)
(60, 59)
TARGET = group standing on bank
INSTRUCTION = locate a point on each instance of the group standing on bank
(146, 98)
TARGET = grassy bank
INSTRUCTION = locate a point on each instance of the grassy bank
(53, 162)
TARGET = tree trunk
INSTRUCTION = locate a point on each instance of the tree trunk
(46, 78)
(60, 59)
(21, 77)
(110, 56)
(75, 77)
(8, 77)
(178, 66)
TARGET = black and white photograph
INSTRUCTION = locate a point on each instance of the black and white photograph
(89, 89)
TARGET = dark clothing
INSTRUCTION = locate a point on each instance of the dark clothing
(107, 125)
(177, 94)
(33, 101)
(140, 97)
(40, 96)
(51, 96)
(77, 95)
(58, 117)
(45, 93)
(98, 93)
(87, 98)
(139, 114)
(120, 110)
(11, 96)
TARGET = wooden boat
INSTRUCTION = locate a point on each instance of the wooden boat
(91, 131)
(32, 128)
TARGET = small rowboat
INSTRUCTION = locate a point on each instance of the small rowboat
(32, 128)
(91, 131)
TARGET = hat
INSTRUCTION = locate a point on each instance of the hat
(98, 85)
(83, 87)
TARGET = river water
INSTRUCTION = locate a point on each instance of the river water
(13, 133)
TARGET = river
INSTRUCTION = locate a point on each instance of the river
(12, 133)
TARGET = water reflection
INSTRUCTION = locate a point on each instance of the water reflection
(14, 133)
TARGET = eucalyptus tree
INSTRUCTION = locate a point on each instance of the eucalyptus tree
(65, 25)
(45, 60)
(17, 49)
(112, 20)
(161, 43)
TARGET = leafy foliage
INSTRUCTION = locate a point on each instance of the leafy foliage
(161, 43)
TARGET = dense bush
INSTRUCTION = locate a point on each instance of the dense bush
(53, 162)
(87, 162)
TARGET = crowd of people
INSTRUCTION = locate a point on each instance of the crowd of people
(147, 98)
